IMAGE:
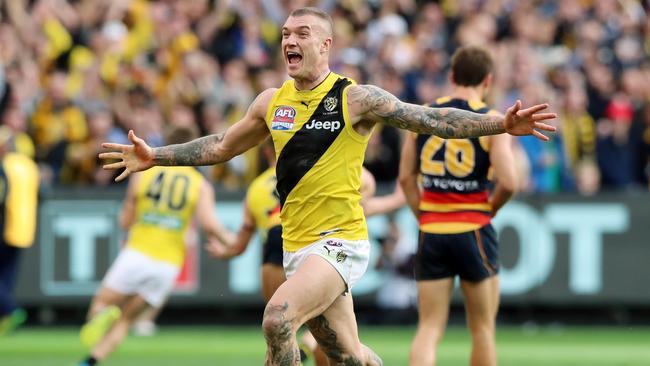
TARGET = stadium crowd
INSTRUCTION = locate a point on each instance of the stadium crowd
(75, 73)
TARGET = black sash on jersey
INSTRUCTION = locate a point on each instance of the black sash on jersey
(306, 146)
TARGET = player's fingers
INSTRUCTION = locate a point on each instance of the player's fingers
(534, 109)
(124, 174)
(544, 116)
(114, 146)
(111, 155)
(118, 165)
(135, 139)
(540, 135)
(544, 127)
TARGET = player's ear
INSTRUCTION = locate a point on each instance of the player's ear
(326, 45)
(487, 81)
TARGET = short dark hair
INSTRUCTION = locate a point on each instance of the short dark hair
(315, 12)
(180, 134)
(470, 65)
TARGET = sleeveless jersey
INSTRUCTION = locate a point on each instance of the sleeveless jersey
(18, 199)
(454, 176)
(263, 201)
(166, 200)
(319, 158)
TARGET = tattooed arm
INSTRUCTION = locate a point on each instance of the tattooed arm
(208, 150)
(369, 104)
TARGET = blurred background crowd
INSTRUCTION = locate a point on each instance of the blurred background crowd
(75, 73)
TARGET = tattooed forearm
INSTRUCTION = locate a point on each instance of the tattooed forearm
(379, 105)
(202, 151)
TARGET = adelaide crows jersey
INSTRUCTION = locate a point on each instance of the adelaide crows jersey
(454, 178)
(319, 158)
(166, 200)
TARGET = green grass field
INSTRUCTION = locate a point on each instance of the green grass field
(243, 346)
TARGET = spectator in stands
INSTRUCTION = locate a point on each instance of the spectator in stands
(56, 123)
(77, 56)
(615, 155)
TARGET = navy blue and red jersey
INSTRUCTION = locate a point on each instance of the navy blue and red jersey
(454, 175)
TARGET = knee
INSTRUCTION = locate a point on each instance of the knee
(429, 334)
(482, 331)
(276, 323)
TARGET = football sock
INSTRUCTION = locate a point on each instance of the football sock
(90, 361)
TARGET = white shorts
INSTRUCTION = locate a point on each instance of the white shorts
(135, 273)
(349, 257)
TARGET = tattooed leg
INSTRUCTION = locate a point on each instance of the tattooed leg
(282, 349)
(372, 359)
(330, 343)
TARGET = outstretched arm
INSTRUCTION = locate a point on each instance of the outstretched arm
(371, 104)
(208, 150)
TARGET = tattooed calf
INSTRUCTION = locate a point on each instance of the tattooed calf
(327, 340)
(280, 339)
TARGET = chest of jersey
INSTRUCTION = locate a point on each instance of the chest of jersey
(303, 125)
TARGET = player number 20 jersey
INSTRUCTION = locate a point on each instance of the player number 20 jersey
(454, 175)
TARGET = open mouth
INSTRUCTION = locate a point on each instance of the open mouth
(293, 57)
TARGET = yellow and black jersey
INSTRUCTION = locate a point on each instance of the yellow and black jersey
(165, 201)
(18, 199)
(263, 201)
(454, 176)
(319, 158)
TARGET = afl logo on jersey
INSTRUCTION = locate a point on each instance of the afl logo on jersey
(283, 118)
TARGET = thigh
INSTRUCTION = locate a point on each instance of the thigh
(433, 302)
(336, 331)
(311, 289)
(481, 300)
(272, 277)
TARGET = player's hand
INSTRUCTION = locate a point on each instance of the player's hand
(520, 122)
(133, 158)
(217, 249)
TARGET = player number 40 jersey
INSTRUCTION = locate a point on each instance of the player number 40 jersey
(166, 200)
